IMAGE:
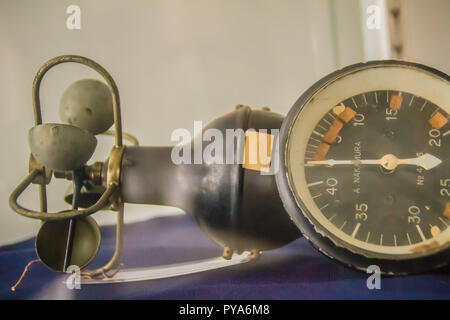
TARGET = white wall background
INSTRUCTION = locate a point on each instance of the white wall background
(427, 32)
(176, 61)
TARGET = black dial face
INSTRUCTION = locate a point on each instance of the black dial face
(377, 167)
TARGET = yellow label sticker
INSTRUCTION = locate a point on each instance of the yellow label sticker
(258, 151)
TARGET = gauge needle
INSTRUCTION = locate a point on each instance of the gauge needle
(388, 161)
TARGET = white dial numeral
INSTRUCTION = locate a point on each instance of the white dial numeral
(332, 183)
(435, 140)
(414, 212)
(361, 211)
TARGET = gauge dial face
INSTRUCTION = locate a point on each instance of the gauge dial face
(381, 205)
(369, 165)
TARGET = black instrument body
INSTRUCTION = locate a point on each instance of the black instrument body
(237, 207)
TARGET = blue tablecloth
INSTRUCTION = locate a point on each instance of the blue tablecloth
(296, 271)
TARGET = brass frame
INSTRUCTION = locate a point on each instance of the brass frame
(38, 174)
(126, 136)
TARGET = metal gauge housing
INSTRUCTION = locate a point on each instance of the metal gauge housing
(364, 166)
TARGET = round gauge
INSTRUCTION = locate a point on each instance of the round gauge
(364, 166)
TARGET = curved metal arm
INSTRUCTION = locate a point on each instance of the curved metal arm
(117, 253)
(65, 214)
(92, 64)
(129, 137)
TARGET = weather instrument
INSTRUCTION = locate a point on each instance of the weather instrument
(363, 173)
